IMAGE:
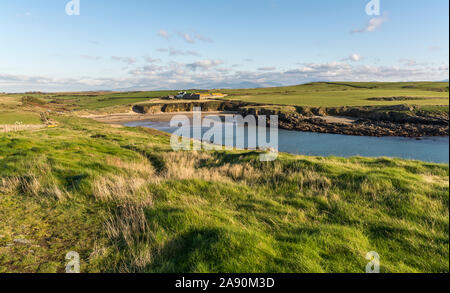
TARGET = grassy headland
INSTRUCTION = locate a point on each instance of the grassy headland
(124, 200)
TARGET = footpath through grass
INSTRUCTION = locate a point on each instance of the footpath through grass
(128, 203)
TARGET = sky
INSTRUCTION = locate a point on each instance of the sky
(183, 44)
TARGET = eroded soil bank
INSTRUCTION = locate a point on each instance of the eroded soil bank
(399, 120)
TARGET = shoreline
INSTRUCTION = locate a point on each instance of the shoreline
(331, 124)
(337, 144)
(154, 117)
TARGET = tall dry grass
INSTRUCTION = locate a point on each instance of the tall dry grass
(119, 189)
(127, 228)
(33, 185)
(191, 165)
(141, 168)
(128, 194)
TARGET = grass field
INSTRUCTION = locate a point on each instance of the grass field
(128, 203)
(85, 100)
(313, 95)
(345, 94)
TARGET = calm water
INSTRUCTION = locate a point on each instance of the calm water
(434, 149)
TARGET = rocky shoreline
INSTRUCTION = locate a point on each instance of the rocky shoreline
(376, 124)
(399, 120)
(365, 128)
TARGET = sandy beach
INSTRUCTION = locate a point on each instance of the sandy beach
(122, 118)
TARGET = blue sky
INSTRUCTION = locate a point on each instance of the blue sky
(162, 44)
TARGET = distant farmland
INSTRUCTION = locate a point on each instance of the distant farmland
(314, 94)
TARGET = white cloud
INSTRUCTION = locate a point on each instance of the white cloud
(191, 39)
(151, 60)
(337, 71)
(146, 70)
(266, 68)
(163, 34)
(408, 62)
(411, 62)
(353, 57)
(187, 37)
(89, 57)
(203, 38)
(128, 60)
(204, 64)
(176, 52)
(224, 70)
(177, 75)
(374, 24)
(91, 82)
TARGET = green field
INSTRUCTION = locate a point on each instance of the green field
(313, 95)
(345, 94)
(22, 117)
(86, 100)
(114, 99)
(127, 203)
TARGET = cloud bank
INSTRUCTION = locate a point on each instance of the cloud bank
(215, 74)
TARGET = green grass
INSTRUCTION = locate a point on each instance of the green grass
(128, 203)
(12, 117)
(345, 94)
(92, 100)
(314, 95)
